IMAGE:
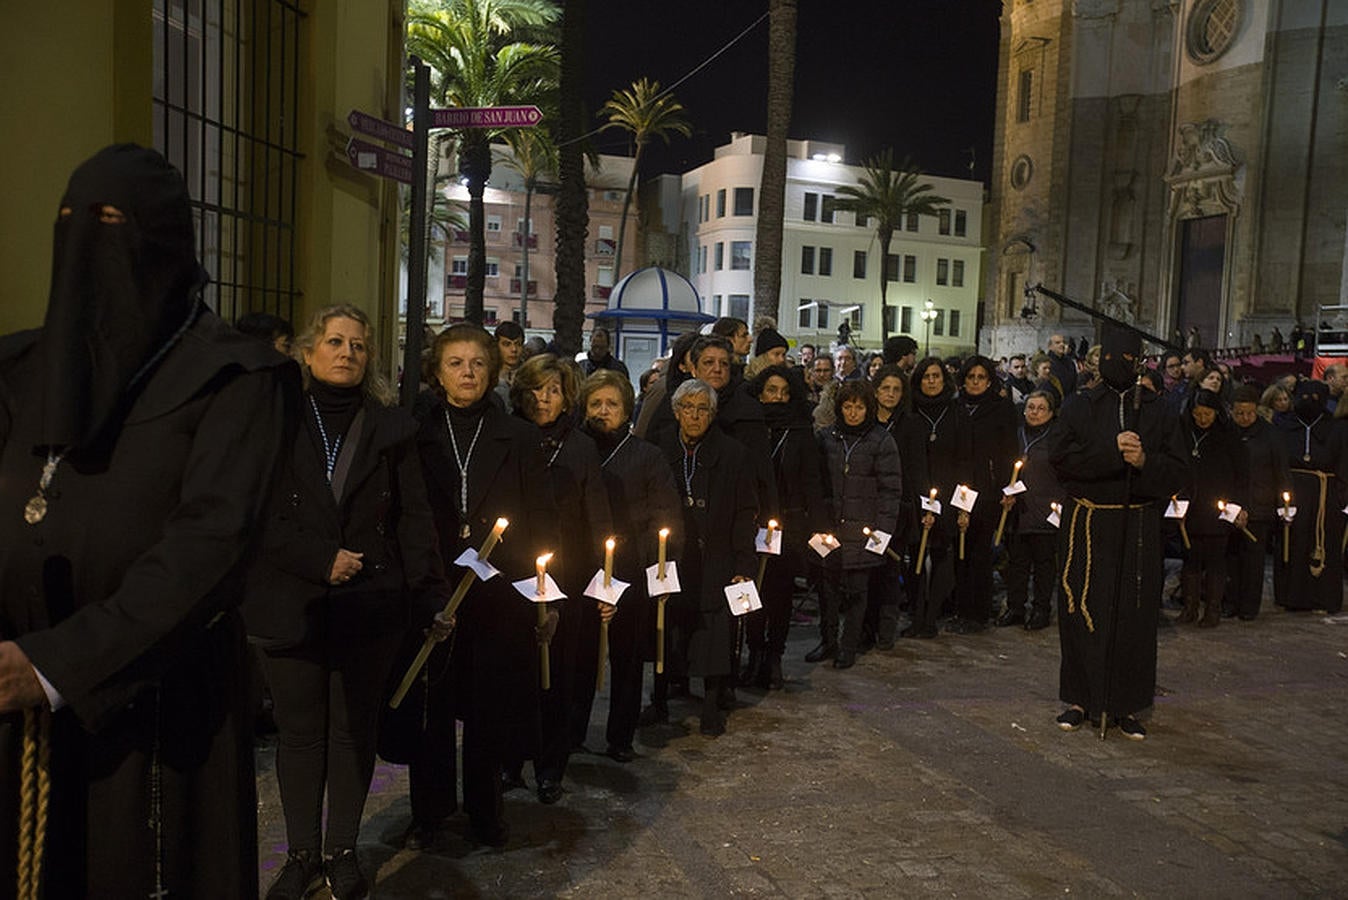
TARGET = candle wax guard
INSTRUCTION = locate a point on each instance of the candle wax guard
(655, 587)
(931, 506)
(1055, 519)
(1177, 509)
(1012, 489)
(528, 588)
(1289, 513)
(877, 541)
(965, 498)
(742, 598)
(818, 545)
(611, 594)
(469, 560)
(1229, 513)
(762, 545)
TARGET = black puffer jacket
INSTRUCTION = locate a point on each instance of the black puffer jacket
(1031, 512)
(863, 487)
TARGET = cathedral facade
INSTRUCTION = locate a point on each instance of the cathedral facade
(1176, 164)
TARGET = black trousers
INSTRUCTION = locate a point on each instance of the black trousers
(1031, 554)
(844, 595)
(629, 632)
(326, 697)
(1206, 559)
(933, 586)
(766, 629)
(973, 574)
(883, 595)
(1246, 568)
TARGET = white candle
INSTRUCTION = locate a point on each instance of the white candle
(608, 562)
(664, 539)
(541, 566)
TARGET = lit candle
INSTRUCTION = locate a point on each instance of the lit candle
(608, 562)
(1015, 473)
(1286, 524)
(541, 567)
(926, 531)
(1001, 523)
(664, 540)
(492, 539)
(772, 526)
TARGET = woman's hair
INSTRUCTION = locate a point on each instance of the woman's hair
(693, 386)
(535, 372)
(1048, 397)
(989, 368)
(856, 389)
(461, 333)
(892, 371)
(1272, 393)
(603, 378)
(727, 326)
(375, 385)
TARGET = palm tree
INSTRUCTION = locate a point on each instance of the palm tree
(886, 195)
(772, 186)
(478, 59)
(533, 157)
(644, 112)
(572, 204)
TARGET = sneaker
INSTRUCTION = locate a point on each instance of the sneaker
(1071, 719)
(344, 876)
(1131, 728)
(301, 876)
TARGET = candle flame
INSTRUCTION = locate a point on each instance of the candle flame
(1286, 497)
(1221, 504)
(772, 523)
(933, 493)
(610, 544)
(542, 561)
(664, 532)
(501, 525)
(866, 530)
(1019, 463)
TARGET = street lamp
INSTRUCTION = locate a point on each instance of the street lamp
(928, 315)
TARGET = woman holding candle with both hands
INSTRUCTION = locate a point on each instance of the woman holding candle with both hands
(643, 499)
(480, 463)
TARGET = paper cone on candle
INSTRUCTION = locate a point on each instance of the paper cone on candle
(528, 589)
(877, 541)
(742, 598)
(823, 544)
(655, 586)
(964, 498)
(470, 560)
(610, 594)
(763, 545)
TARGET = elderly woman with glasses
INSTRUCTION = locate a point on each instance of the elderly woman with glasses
(715, 477)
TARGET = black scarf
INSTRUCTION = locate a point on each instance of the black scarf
(844, 430)
(932, 406)
(121, 294)
(607, 441)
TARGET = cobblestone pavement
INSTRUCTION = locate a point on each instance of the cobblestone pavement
(936, 769)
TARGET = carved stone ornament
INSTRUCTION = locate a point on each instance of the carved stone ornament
(1094, 9)
(1203, 173)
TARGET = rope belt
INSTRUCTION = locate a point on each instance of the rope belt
(35, 794)
(1318, 554)
(1090, 507)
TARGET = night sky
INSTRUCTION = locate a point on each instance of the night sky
(915, 75)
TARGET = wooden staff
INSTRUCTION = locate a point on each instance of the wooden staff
(544, 660)
(926, 532)
(450, 608)
(603, 623)
(1001, 523)
(1287, 524)
(660, 606)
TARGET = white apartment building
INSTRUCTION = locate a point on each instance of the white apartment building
(830, 262)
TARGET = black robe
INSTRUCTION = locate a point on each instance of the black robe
(124, 598)
(1107, 610)
(1318, 526)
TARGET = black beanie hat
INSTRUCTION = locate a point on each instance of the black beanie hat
(768, 339)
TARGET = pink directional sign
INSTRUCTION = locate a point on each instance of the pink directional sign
(369, 158)
(486, 117)
(377, 128)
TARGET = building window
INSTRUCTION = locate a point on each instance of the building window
(493, 268)
(892, 267)
(807, 260)
(821, 316)
(858, 263)
(811, 207)
(718, 256)
(459, 266)
(943, 217)
(744, 201)
(913, 221)
(605, 232)
(702, 259)
(737, 305)
(856, 316)
(703, 208)
(715, 301)
(957, 273)
(961, 223)
(826, 261)
(938, 323)
(603, 276)
(720, 204)
(906, 319)
(1023, 96)
(954, 323)
(494, 224)
(943, 271)
(863, 221)
(826, 209)
(805, 314)
(910, 269)
(740, 256)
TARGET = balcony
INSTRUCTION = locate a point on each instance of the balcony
(459, 237)
(519, 240)
(457, 282)
(605, 247)
(600, 291)
(515, 287)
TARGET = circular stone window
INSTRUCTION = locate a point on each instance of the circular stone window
(1022, 170)
(1212, 29)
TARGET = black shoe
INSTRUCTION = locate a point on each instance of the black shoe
(494, 835)
(1071, 719)
(1009, 618)
(750, 672)
(822, 652)
(423, 837)
(725, 697)
(549, 791)
(655, 714)
(511, 781)
(965, 626)
(344, 877)
(1037, 622)
(1130, 728)
(301, 876)
(622, 754)
(846, 659)
(775, 680)
(884, 643)
(867, 643)
(678, 687)
(712, 724)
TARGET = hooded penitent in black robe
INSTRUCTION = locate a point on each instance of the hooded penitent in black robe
(123, 594)
(1110, 546)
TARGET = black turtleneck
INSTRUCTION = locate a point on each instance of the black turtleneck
(336, 405)
(464, 419)
(607, 441)
(854, 430)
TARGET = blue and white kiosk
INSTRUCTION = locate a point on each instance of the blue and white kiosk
(647, 309)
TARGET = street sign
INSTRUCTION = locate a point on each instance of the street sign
(486, 117)
(388, 163)
(377, 128)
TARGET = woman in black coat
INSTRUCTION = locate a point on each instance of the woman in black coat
(643, 500)
(715, 475)
(347, 537)
(863, 487)
(480, 464)
(544, 392)
(1031, 540)
(991, 422)
(893, 412)
(946, 434)
(800, 496)
(1218, 471)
